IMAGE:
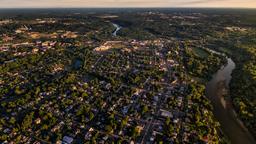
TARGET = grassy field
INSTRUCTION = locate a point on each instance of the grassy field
(200, 52)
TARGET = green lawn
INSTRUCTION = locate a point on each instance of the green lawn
(200, 52)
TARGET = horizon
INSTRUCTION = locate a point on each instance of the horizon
(128, 4)
(130, 8)
(127, 71)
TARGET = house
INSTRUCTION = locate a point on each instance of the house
(4, 48)
(180, 101)
(3, 22)
(105, 138)
(35, 50)
(69, 34)
(7, 38)
(156, 98)
(176, 120)
(38, 121)
(125, 110)
(165, 113)
(88, 135)
(36, 142)
(7, 130)
(139, 129)
(108, 86)
(34, 35)
(67, 140)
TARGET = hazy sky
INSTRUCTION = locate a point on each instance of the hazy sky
(126, 3)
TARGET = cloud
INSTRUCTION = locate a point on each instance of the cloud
(199, 1)
(218, 3)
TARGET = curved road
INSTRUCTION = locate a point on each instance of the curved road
(232, 127)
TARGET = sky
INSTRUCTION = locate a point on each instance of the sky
(126, 3)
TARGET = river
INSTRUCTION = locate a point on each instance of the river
(117, 29)
(217, 90)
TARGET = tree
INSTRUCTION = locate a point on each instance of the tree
(12, 120)
(144, 109)
(27, 121)
(168, 120)
(37, 90)
(124, 122)
(18, 90)
(84, 94)
(91, 115)
(109, 129)
(135, 132)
